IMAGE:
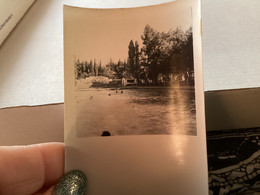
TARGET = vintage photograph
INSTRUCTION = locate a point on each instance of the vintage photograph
(134, 98)
(134, 71)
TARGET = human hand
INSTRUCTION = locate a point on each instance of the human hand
(34, 169)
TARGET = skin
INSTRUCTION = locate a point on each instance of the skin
(33, 169)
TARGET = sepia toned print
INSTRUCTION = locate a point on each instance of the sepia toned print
(134, 99)
(134, 73)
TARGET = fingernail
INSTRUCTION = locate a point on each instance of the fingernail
(73, 183)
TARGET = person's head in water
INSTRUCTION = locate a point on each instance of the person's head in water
(105, 133)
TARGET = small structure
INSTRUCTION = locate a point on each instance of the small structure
(129, 82)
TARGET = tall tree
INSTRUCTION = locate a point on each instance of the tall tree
(167, 53)
(151, 45)
(78, 69)
(137, 54)
(137, 61)
(100, 69)
(91, 67)
(182, 61)
(95, 68)
(131, 58)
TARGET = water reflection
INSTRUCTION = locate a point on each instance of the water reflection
(140, 111)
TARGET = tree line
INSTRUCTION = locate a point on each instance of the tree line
(165, 57)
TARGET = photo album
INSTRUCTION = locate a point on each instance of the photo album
(134, 99)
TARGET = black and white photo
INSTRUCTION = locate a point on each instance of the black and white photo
(134, 99)
(134, 74)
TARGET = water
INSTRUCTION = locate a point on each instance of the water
(141, 111)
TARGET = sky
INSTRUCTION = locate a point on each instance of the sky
(104, 34)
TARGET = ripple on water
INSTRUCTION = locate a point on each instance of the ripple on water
(136, 112)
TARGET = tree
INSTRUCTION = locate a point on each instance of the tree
(188, 57)
(95, 68)
(151, 49)
(137, 61)
(100, 68)
(91, 68)
(137, 55)
(182, 61)
(131, 58)
(167, 53)
(78, 69)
